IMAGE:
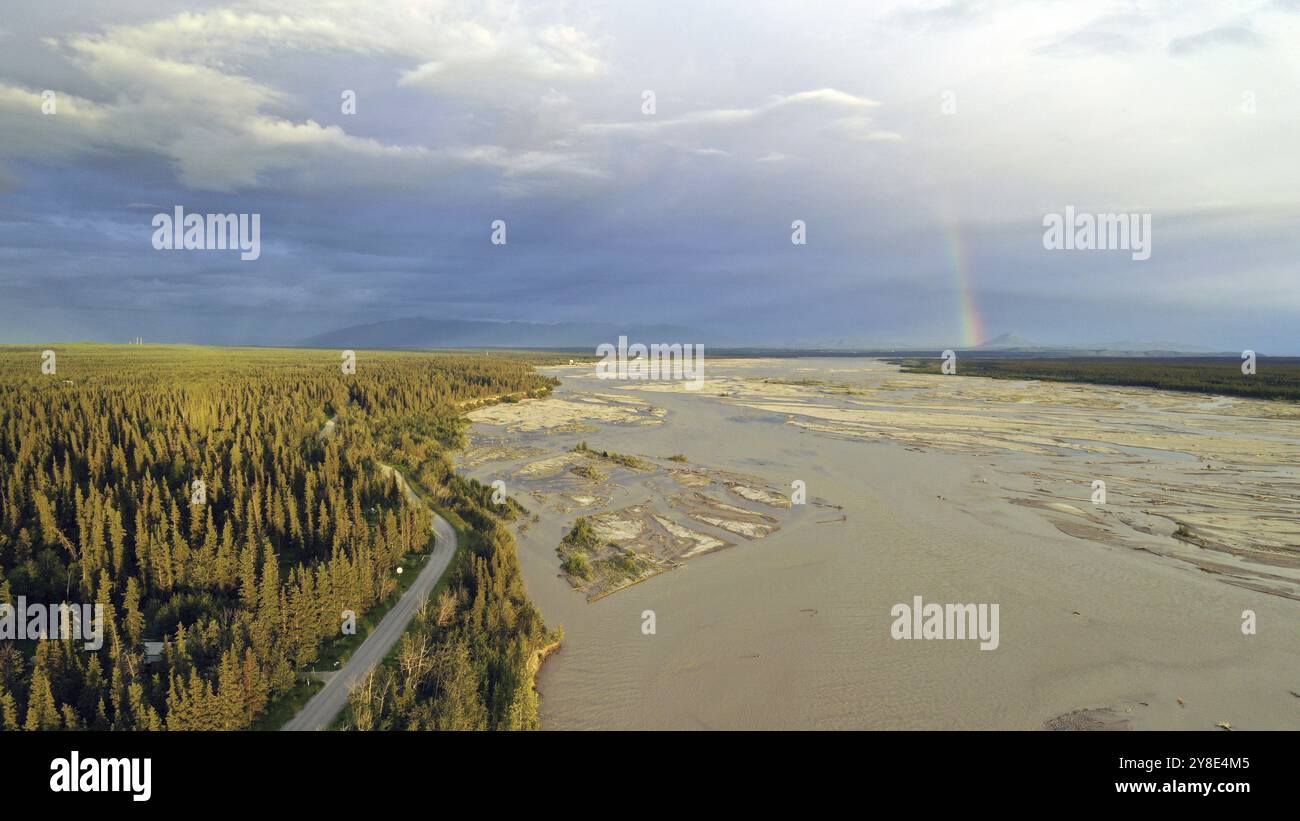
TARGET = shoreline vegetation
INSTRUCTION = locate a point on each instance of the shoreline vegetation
(1276, 378)
(469, 659)
(241, 579)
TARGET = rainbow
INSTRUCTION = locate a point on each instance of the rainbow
(972, 324)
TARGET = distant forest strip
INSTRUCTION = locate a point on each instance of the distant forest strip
(1275, 377)
(245, 587)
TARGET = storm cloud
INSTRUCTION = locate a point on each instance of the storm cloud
(921, 144)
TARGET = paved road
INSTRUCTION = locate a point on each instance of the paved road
(324, 707)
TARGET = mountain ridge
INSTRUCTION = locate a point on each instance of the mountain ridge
(423, 332)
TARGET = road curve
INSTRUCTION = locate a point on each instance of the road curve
(319, 713)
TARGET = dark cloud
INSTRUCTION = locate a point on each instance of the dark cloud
(682, 217)
(1114, 35)
(1238, 35)
(942, 14)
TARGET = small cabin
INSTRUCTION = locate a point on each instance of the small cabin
(153, 651)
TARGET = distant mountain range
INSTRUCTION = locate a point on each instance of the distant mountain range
(1007, 340)
(418, 332)
(1015, 342)
(473, 333)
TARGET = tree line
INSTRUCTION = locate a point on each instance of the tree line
(468, 660)
(195, 495)
(1275, 378)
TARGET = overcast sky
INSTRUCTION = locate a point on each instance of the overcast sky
(921, 143)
